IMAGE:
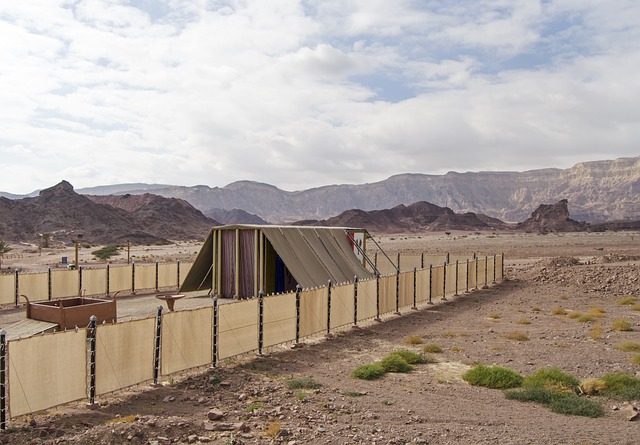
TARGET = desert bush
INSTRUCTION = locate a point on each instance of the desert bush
(629, 300)
(413, 358)
(106, 252)
(370, 371)
(635, 359)
(516, 335)
(574, 314)
(635, 307)
(552, 379)
(273, 429)
(395, 363)
(592, 386)
(303, 383)
(414, 340)
(535, 309)
(495, 316)
(432, 348)
(523, 320)
(596, 331)
(562, 403)
(558, 310)
(621, 324)
(495, 377)
(597, 312)
(585, 318)
(629, 346)
(623, 386)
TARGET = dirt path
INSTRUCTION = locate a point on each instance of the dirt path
(430, 405)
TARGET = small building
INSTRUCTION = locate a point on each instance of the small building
(238, 261)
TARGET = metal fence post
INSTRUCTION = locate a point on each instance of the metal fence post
(444, 281)
(260, 321)
(178, 274)
(398, 287)
(328, 308)
(467, 285)
(476, 265)
(298, 289)
(430, 282)
(3, 386)
(156, 352)
(355, 300)
(79, 281)
(91, 332)
(422, 260)
(157, 276)
(377, 298)
(502, 267)
(17, 295)
(494, 268)
(486, 272)
(133, 278)
(415, 288)
(108, 272)
(49, 284)
(214, 353)
(457, 264)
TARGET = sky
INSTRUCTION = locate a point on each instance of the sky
(305, 93)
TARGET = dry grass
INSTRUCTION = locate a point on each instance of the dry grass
(629, 300)
(564, 297)
(414, 340)
(585, 318)
(516, 335)
(535, 309)
(592, 386)
(273, 429)
(635, 307)
(635, 359)
(432, 348)
(597, 312)
(596, 331)
(621, 325)
(523, 320)
(629, 346)
(457, 349)
(495, 316)
(558, 310)
(574, 314)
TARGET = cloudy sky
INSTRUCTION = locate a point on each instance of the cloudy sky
(303, 93)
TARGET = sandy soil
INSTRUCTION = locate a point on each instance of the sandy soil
(430, 405)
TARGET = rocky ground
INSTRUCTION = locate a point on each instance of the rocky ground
(254, 400)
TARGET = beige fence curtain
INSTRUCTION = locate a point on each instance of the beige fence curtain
(341, 305)
(451, 278)
(367, 290)
(386, 267)
(124, 354)
(94, 281)
(47, 370)
(34, 285)
(406, 289)
(491, 262)
(167, 275)
(186, 339)
(499, 266)
(437, 281)
(279, 319)
(387, 294)
(422, 286)
(145, 276)
(408, 262)
(462, 276)
(471, 271)
(313, 311)
(120, 278)
(184, 271)
(7, 289)
(481, 272)
(64, 283)
(238, 328)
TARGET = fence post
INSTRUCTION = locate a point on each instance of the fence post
(3, 386)
(415, 289)
(355, 300)
(398, 287)
(157, 276)
(156, 352)
(328, 309)
(214, 353)
(91, 332)
(298, 289)
(502, 267)
(486, 272)
(17, 295)
(108, 273)
(375, 261)
(444, 281)
(79, 281)
(260, 321)
(377, 298)
(494, 268)
(467, 285)
(398, 260)
(422, 260)
(49, 284)
(133, 278)
(457, 275)
(178, 273)
(430, 282)
(476, 265)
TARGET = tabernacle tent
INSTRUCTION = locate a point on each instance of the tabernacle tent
(237, 261)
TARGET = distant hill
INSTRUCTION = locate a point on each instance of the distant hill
(235, 216)
(62, 212)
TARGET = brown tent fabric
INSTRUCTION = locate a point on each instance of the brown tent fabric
(313, 255)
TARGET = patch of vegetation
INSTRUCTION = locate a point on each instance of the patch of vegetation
(552, 379)
(432, 348)
(596, 331)
(585, 318)
(457, 349)
(495, 377)
(574, 314)
(273, 429)
(303, 383)
(301, 395)
(623, 386)
(629, 346)
(352, 394)
(536, 309)
(523, 320)
(558, 310)
(592, 386)
(254, 406)
(495, 316)
(395, 363)
(635, 307)
(413, 358)
(368, 372)
(516, 335)
(621, 324)
(597, 312)
(558, 402)
(629, 300)
(635, 359)
(414, 340)
(564, 297)
(106, 252)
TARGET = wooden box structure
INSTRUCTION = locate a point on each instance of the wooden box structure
(71, 312)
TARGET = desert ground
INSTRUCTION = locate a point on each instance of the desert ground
(256, 402)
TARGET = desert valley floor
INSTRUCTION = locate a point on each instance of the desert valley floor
(432, 404)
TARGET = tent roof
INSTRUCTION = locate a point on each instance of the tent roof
(313, 255)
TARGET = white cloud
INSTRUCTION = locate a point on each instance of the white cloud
(308, 93)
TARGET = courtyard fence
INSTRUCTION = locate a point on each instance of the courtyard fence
(51, 369)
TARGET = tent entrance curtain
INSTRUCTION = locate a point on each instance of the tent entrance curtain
(247, 263)
(228, 266)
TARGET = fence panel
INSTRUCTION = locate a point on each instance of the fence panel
(472, 274)
(491, 262)
(313, 311)
(406, 289)
(238, 328)
(46, 371)
(279, 322)
(145, 277)
(7, 289)
(408, 262)
(451, 278)
(437, 282)
(462, 276)
(184, 270)
(167, 275)
(481, 272)
(367, 299)
(124, 354)
(499, 267)
(94, 281)
(386, 267)
(120, 278)
(34, 285)
(422, 286)
(64, 283)
(342, 305)
(435, 259)
(187, 339)
(387, 294)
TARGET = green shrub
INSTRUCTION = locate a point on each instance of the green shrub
(562, 403)
(106, 252)
(635, 359)
(622, 386)
(395, 363)
(495, 377)
(303, 383)
(432, 348)
(621, 324)
(629, 346)
(413, 358)
(552, 379)
(414, 340)
(368, 372)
